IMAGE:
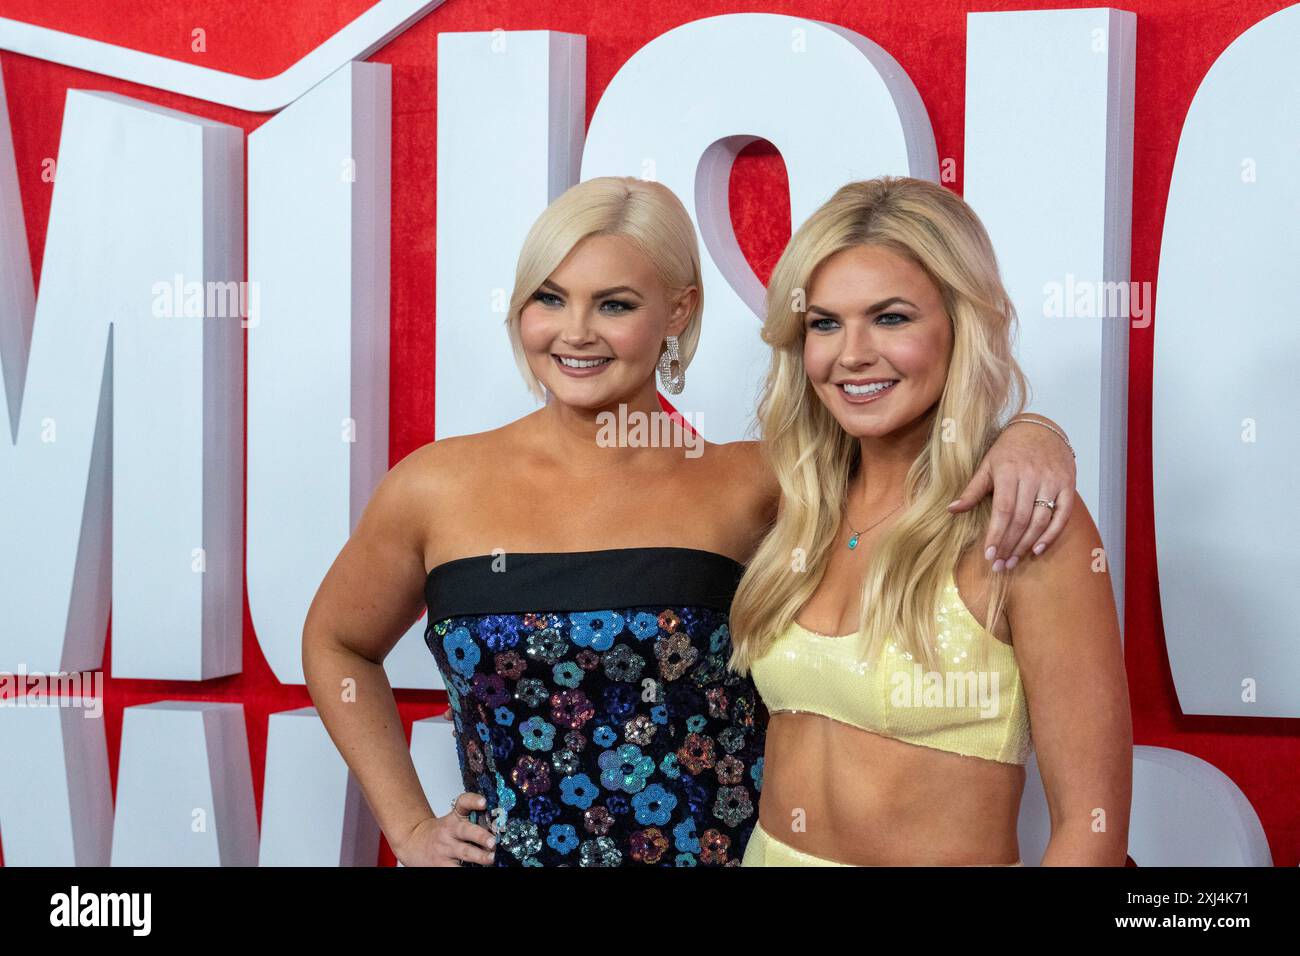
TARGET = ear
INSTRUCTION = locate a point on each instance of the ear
(683, 306)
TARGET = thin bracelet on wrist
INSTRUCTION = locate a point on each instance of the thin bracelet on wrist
(1035, 421)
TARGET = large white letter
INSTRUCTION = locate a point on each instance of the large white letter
(1049, 170)
(145, 212)
(1225, 445)
(836, 105)
(510, 120)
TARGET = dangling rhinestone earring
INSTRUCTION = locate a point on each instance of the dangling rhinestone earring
(672, 385)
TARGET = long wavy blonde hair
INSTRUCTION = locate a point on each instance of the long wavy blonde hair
(646, 212)
(814, 458)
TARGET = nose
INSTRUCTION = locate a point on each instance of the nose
(577, 326)
(858, 348)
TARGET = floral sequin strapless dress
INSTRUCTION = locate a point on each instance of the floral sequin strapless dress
(593, 706)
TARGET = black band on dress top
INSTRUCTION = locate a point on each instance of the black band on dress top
(576, 580)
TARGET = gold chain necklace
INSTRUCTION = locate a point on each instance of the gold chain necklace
(853, 541)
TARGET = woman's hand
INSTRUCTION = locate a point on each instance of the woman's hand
(1027, 461)
(450, 840)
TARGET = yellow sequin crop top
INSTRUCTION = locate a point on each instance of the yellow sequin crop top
(978, 713)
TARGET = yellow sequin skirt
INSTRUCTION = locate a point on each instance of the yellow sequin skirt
(763, 849)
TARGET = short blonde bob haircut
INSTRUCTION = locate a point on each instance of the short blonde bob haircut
(646, 212)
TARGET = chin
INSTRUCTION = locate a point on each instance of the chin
(579, 395)
(861, 430)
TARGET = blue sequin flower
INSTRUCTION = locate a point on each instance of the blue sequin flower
(595, 629)
(499, 631)
(604, 736)
(578, 791)
(562, 838)
(625, 768)
(462, 652)
(567, 674)
(643, 626)
(685, 837)
(537, 734)
(654, 805)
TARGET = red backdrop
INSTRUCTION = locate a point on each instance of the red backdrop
(1177, 41)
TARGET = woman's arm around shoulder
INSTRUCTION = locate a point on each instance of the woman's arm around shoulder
(1065, 631)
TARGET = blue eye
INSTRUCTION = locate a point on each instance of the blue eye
(817, 323)
(551, 300)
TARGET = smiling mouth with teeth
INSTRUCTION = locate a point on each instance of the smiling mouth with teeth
(873, 389)
(581, 363)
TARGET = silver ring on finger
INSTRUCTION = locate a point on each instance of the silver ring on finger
(1048, 503)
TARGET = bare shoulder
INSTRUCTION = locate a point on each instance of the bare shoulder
(746, 463)
(447, 459)
(742, 483)
(1075, 553)
(1068, 586)
(440, 471)
(434, 459)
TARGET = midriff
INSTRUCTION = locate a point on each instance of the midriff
(872, 800)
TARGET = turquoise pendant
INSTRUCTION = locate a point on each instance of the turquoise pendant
(853, 542)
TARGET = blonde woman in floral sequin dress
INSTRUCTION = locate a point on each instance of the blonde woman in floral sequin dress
(577, 591)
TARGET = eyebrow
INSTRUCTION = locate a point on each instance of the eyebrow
(599, 294)
(882, 304)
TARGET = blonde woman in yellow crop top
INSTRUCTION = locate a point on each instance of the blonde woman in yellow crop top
(908, 680)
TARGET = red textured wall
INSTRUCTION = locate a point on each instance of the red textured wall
(1177, 41)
